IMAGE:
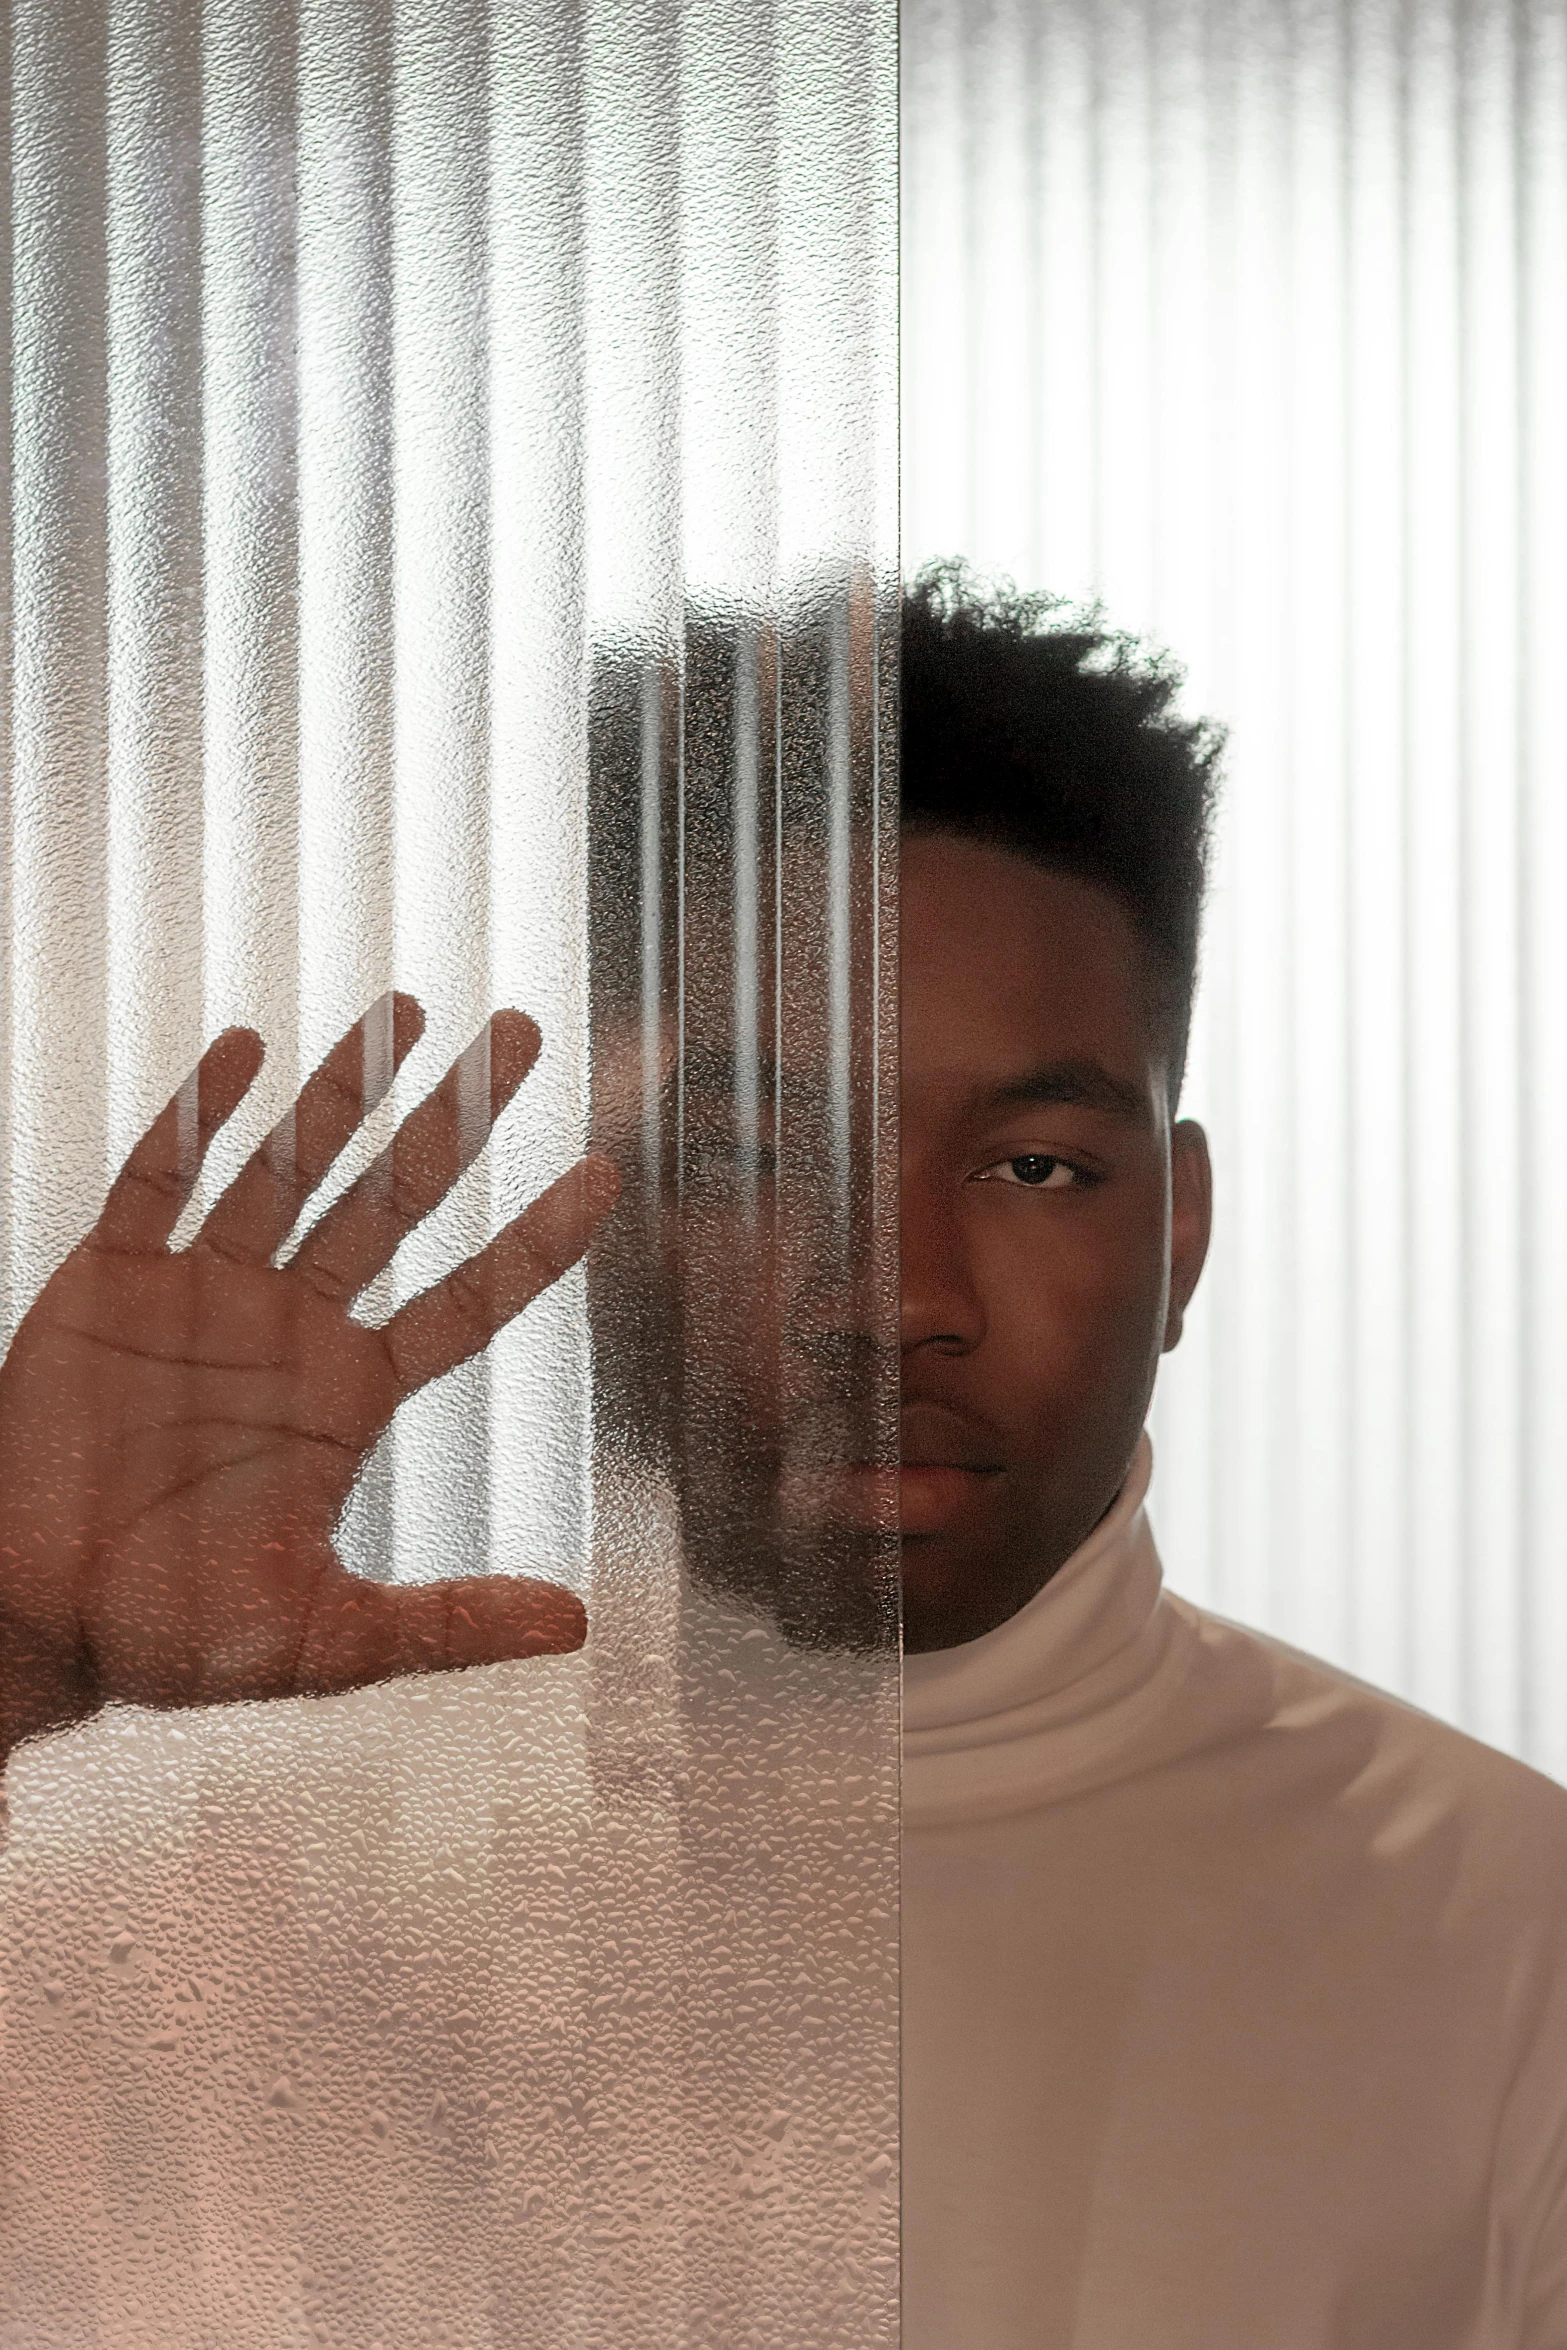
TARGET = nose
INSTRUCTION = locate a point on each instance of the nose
(942, 1306)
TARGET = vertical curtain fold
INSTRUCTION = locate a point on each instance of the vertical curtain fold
(1247, 319)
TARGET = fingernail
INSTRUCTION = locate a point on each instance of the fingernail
(560, 1620)
(515, 1043)
(407, 1021)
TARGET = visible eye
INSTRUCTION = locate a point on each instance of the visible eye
(1036, 1170)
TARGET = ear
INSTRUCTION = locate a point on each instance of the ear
(1191, 1219)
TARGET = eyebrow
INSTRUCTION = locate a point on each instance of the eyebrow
(1076, 1085)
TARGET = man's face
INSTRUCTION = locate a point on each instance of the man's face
(1053, 1222)
(1053, 1227)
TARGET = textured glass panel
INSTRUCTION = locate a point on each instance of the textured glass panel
(452, 537)
(1249, 319)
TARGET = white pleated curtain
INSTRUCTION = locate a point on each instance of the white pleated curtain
(1252, 321)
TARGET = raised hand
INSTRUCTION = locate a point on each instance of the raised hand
(179, 1430)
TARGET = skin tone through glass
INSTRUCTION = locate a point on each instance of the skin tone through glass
(743, 1352)
(179, 1430)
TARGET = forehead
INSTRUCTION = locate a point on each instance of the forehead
(1006, 964)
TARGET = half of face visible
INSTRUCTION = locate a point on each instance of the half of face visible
(1038, 1220)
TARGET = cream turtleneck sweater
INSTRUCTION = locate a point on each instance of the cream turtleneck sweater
(1235, 1995)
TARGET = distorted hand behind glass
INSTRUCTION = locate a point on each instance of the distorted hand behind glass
(180, 1429)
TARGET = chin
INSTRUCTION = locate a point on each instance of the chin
(958, 1586)
(944, 1586)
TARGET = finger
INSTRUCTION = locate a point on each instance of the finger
(444, 1325)
(364, 1632)
(259, 1209)
(359, 1234)
(147, 1195)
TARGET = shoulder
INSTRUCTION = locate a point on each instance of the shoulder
(1409, 1783)
(1406, 1885)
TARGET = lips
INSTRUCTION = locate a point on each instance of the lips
(936, 1436)
(948, 1468)
(935, 1497)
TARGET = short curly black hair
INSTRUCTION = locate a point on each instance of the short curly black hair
(1029, 723)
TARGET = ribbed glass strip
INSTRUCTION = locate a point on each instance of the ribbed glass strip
(452, 550)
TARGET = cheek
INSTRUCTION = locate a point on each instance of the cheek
(1083, 1289)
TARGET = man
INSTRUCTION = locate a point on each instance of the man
(1234, 2008)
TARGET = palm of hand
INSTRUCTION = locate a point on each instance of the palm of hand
(179, 1431)
(197, 1425)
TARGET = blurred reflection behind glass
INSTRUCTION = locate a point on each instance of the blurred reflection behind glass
(741, 1302)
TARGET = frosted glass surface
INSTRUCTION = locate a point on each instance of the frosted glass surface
(452, 538)
(1250, 319)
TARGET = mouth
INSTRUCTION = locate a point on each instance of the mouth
(950, 1466)
(948, 1470)
(920, 1497)
(934, 1496)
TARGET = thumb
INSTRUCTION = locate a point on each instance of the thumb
(365, 1632)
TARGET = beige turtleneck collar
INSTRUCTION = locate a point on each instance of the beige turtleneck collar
(1071, 1692)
